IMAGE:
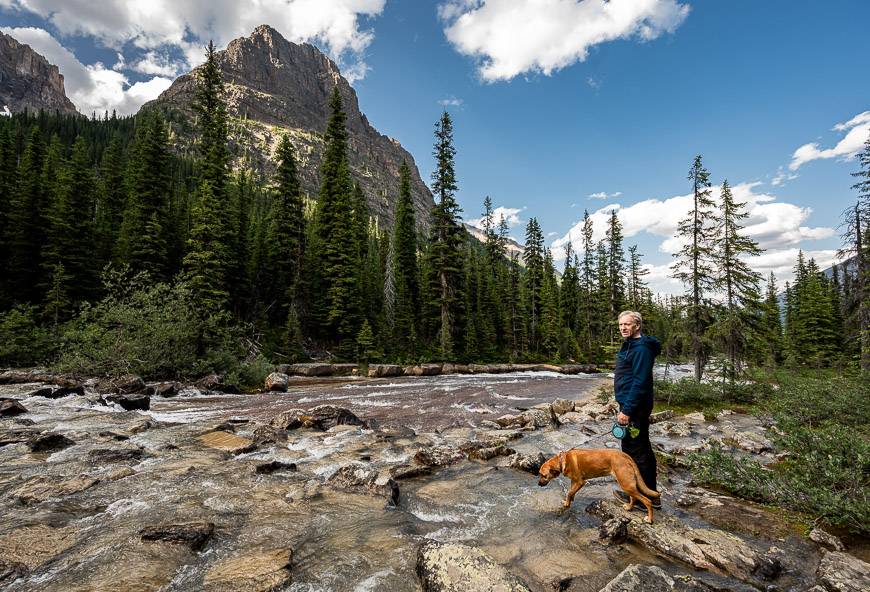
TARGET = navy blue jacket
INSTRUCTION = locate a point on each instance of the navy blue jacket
(632, 378)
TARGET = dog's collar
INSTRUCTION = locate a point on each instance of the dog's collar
(562, 459)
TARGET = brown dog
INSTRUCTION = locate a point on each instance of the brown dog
(582, 464)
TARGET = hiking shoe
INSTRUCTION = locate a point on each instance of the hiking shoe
(624, 498)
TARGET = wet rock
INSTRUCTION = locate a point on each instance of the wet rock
(274, 466)
(132, 402)
(163, 389)
(841, 572)
(679, 429)
(530, 463)
(11, 407)
(707, 549)
(614, 530)
(423, 370)
(49, 442)
(64, 391)
(16, 436)
(129, 383)
(25, 421)
(825, 539)
(444, 567)
(648, 578)
(11, 571)
(562, 406)
(111, 455)
(324, 417)
(405, 471)
(260, 571)
(266, 434)
(490, 425)
(461, 369)
(193, 535)
(360, 479)
(277, 382)
(33, 546)
(41, 488)
(490, 453)
(384, 370)
(301, 492)
(117, 474)
(574, 417)
(748, 441)
(661, 416)
(438, 456)
(394, 432)
(41, 392)
(696, 417)
(288, 420)
(601, 411)
(227, 442)
(539, 418)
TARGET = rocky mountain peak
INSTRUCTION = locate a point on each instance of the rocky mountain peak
(29, 81)
(275, 87)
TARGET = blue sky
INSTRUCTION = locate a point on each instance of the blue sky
(553, 101)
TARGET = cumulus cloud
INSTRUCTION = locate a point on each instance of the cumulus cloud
(604, 195)
(155, 63)
(857, 131)
(511, 217)
(188, 26)
(513, 37)
(90, 88)
(779, 228)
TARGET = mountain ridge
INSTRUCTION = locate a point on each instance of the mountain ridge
(28, 81)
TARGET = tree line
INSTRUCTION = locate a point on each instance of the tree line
(102, 223)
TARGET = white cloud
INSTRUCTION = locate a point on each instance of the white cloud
(779, 228)
(90, 88)
(858, 130)
(450, 102)
(510, 215)
(604, 195)
(781, 177)
(513, 37)
(593, 82)
(155, 63)
(189, 25)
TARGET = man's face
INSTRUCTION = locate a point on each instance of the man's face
(628, 328)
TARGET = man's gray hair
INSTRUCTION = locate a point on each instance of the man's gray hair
(635, 316)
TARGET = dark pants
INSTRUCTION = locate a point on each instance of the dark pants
(640, 449)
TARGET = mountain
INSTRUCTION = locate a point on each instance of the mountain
(28, 81)
(275, 87)
(512, 246)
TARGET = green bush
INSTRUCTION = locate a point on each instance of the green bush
(149, 329)
(22, 341)
(825, 472)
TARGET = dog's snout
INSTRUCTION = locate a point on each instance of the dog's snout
(543, 481)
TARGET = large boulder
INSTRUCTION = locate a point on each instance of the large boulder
(277, 382)
(562, 406)
(311, 369)
(707, 549)
(445, 567)
(649, 578)
(322, 417)
(826, 539)
(49, 442)
(193, 535)
(258, 571)
(438, 456)
(132, 402)
(384, 370)
(530, 463)
(358, 478)
(841, 572)
(11, 407)
(227, 442)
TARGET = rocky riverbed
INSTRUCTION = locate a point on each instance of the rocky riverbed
(358, 484)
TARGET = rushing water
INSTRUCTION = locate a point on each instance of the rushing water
(341, 542)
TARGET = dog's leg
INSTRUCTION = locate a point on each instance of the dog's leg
(575, 487)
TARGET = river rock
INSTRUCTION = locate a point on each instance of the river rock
(748, 441)
(128, 383)
(49, 442)
(112, 455)
(277, 382)
(661, 416)
(405, 471)
(445, 567)
(324, 417)
(826, 539)
(530, 463)
(163, 389)
(634, 578)
(490, 453)
(361, 479)
(11, 407)
(288, 420)
(300, 492)
(132, 402)
(274, 466)
(679, 429)
(542, 417)
(438, 456)
(384, 370)
(423, 370)
(41, 392)
(33, 546)
(227, 442)
(43, 487)
(696, 417)
(614, 530)
(264, 435)
(574, 417)
(308, 369)
(11, 571)
(601, 411)
(193, 535)
(841, 572)
(64, 391)
(260, 571)
(707, 549)
(562, 406)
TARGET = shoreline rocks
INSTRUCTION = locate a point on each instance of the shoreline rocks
(444, 567)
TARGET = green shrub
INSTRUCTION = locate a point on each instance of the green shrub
(22, 341)
(825, 472)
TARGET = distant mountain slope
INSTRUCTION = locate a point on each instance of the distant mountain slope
(275, 87)
(28, 81)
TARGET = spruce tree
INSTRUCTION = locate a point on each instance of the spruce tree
(533, 257)
(694, 265)
(112, 198)
(8, 161)
(404, 269)
(587, 275)
(27, 223)
(857, 239)
(447, 238)
(637, 290)
(771, 325)
(205, 263)
(615, 269)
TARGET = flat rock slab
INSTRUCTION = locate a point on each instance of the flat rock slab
(649, 578)
(254, 572)
(227, 442)
(34, 545)
(841, 572)
(708, 549)
(444, 567)
(49, 442)
(193, 535)
(361, 479)
(42, 488)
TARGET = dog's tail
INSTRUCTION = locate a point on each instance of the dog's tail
(641, 486)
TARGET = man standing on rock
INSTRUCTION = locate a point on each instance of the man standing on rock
(633, 388)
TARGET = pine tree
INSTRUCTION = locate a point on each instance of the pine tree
(533, 257)
(771, 325)
(447, 238)
(736, 279)
(694, 265)
(615, 269)
(550, 326)
(112, 198)
(404, 271)
(638, 293)
(205, 262)
(857, 239)
(27, 224)
(8, 163)
(587, 275)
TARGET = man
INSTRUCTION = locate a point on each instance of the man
(633, 388)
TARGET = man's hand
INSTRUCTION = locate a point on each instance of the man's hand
(622, 418)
